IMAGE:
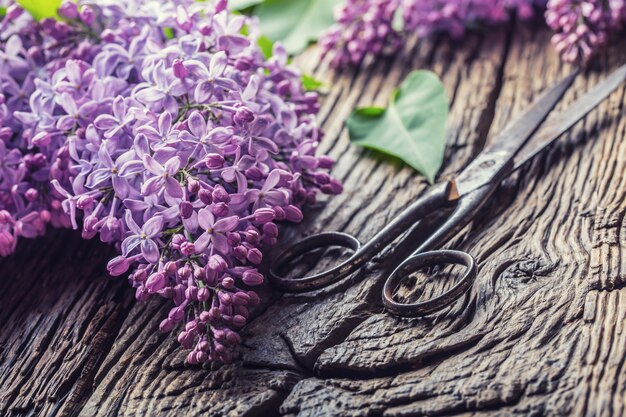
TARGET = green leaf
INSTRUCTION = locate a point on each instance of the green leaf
(168, 33)
(41, 9)
(310, 84)
(242, 4)
(295, 23)
(412, 128)
(266, 45)
(3, 11)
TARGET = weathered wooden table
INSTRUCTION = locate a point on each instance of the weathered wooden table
(541, 333)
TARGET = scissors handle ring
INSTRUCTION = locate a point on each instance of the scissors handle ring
(416, 262)
(322, 279)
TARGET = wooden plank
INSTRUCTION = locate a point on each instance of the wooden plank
(540, 333)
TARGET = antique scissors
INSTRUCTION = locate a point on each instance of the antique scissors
(464, 194)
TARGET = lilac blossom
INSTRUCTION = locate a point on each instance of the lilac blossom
(184, 153)
(374, 27)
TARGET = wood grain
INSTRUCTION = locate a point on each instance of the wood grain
(541, 332)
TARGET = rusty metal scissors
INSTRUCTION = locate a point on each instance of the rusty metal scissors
(466, 193)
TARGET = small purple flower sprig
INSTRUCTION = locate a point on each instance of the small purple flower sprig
(183, 146)
(366, 27)
(582, 27)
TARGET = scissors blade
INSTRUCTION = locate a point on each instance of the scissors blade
(495, 158)
(564, 120)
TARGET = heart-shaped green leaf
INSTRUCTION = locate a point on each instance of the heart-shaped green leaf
(413, 126)
(295, 23)
(41, 9)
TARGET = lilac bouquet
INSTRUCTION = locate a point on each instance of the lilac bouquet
(160, 127)
(374, 27)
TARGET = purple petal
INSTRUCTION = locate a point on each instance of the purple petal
(202, 242)
(130, 223)
(205, 219)
(220, 242)
(197, 124)
(153, 227)
(173, 188)
(150, 251)
(152, 186)
(226, 224)
(129, 244)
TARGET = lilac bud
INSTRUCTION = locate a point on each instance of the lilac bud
(191, 293)
(214, 161)
(166, 325)
(243, 115)
(220, 209)
(325, 162)
(225, 298)
(201, 357)
(203, 345)
(84, 202)
(155, 282)
(254, 256)
(176, 314)
(7, 243)
(293, 214)
(191, 326)
(118, 266)
(321, 178)
(45, 216)
(252, 277)
(184, 272)
(203, 294)
(69, 9)
(228, 283)
(193, 186)
(185, 339)
(252, 236)
(204, 316)
(254, 298)
(141, 293)
(5, 217)
(140, 275)
(170, 267)
(205, 196)
(87, 15)
(185, 209)
(191, 356)
(233, 238)
(241, 310)
(240, 252)
(178, 240)
(264, 215)
(187, 248)
(241, 298)
(280, 213)
(31, 194)
(178, 66)
(214, 314)
(233, 338)
(220, 195)
(217, 263)
(270, 230)
(254, 174)
(239, 321)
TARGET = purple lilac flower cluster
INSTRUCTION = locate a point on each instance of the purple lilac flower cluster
(167, 133)
(32, 152)
(366, 27)
(583, 26)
